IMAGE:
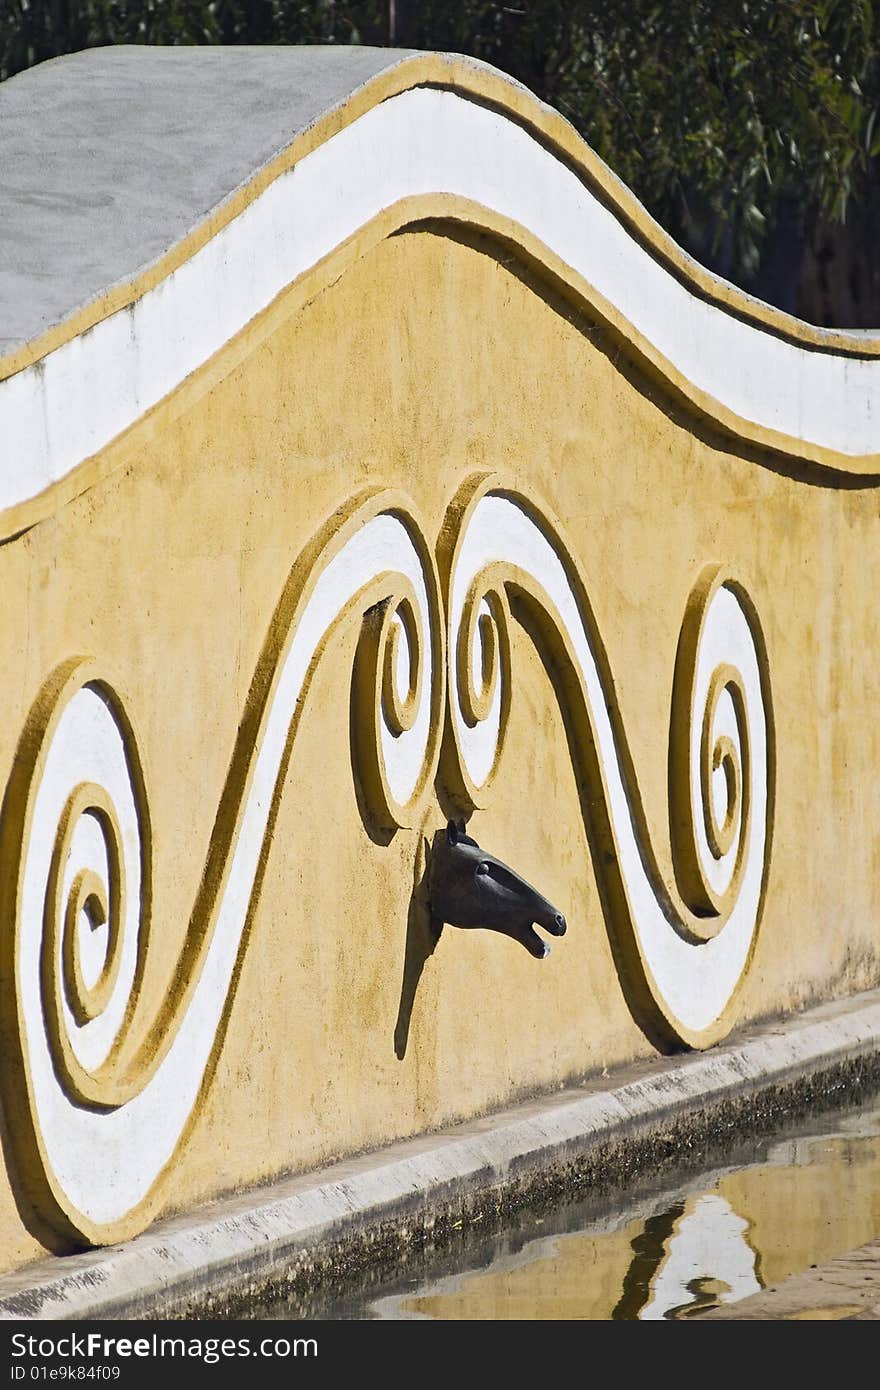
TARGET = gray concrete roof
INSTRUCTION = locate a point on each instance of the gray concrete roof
(111, 156)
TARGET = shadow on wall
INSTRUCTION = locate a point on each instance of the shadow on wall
(459, 884)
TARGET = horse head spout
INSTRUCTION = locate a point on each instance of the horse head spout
(469, 888)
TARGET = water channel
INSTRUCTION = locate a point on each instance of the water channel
(775, 1206)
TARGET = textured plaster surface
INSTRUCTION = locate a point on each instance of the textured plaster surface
(168, 571)
(409, 362)
(227, 1256)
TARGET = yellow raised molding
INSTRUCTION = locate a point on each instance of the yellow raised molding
(431, 529)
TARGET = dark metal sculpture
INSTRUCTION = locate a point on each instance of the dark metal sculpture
(469, 888)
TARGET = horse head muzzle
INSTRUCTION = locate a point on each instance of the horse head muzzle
(469, 888)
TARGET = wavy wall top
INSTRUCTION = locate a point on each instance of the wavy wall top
(353, 539)
(129, 261)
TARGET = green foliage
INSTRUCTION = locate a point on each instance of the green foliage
(719, 114)
(34, 30)
(749, 128)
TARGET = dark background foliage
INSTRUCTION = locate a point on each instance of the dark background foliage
(749, 128)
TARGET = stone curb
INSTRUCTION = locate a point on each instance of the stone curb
(219, 1258)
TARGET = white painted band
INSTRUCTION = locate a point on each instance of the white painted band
(710, 1240)
(68, 406)
(106, 1161)
(694, 981)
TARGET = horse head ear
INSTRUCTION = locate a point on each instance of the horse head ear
(451, 833)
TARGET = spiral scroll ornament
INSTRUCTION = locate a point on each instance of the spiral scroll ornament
(84, 887)
(102, 1095)
(398, 702)
(480, 679)
(683, 964)
(715, 724)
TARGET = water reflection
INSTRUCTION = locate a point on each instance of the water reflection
(794, 1201)
(688, 1254)
(693, 1256)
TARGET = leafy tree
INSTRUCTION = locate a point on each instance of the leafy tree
(749, 128)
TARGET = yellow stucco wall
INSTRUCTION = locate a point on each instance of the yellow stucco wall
(412, 363)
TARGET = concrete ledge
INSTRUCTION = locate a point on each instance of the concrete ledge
(218, 1261)
(846, 1289)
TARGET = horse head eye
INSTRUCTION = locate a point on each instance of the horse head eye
(483, 868)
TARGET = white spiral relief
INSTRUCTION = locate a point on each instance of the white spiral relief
(692, 958)
(105, 1129)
